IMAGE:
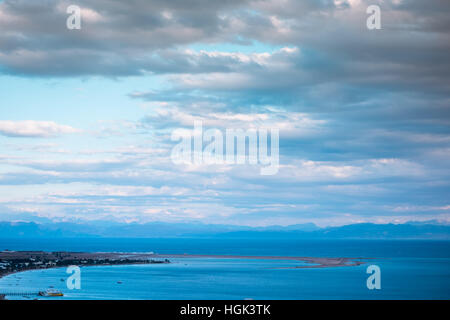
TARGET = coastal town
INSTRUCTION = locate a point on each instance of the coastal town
(17, 261)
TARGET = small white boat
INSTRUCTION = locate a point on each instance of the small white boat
(51, 293)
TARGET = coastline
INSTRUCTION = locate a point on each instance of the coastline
(319, 262)
(123, 258)
(14, 262)
(3, 297)
(118, 258)
(90, 259)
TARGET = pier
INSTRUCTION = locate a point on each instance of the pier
(36, 293)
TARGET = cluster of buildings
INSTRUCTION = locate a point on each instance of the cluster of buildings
(15, 261)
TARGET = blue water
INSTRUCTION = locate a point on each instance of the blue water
(409, 270)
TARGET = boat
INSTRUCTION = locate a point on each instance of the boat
(51, 293)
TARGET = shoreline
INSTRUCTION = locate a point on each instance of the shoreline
(14, 262)
(92, 259)
(123, 258)
(320, 262)
(3, 297)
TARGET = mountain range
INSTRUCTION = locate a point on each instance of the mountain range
(411, 230)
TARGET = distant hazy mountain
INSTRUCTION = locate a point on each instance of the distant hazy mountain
(359, 231)
(388, 231)
(111, 229)
(414, 230)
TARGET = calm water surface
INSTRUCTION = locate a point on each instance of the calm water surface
(409, 270)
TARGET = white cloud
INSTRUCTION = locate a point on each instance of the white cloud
(290, 124)
(31, 128)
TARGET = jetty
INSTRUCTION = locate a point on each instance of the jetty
(20, 293)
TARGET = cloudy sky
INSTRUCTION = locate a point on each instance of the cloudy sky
(86, 115)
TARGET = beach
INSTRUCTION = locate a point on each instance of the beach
(17, 261)
(239, 269)
(22, 261)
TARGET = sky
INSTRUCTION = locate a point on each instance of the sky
(86, 115)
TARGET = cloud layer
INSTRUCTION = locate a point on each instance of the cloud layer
(32, 128)
(364, 115)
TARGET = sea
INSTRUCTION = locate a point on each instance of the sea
(409, 269)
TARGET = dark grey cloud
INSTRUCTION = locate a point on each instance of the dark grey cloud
(117, 38)
(132, 37)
